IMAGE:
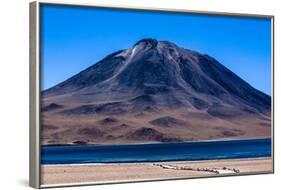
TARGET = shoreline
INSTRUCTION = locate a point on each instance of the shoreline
(159, 143)
(172, 161)
(54, 175)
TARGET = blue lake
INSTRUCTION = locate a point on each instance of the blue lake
(187, 151)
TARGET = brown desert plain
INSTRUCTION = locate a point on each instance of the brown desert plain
(57, 175)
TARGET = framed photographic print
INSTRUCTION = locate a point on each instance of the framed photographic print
(127, 94)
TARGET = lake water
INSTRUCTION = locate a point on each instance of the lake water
(187, 151)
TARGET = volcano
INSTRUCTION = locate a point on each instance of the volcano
(154, 91)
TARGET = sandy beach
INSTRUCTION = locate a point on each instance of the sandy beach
(54, 175)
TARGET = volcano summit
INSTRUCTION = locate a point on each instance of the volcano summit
(154, 91)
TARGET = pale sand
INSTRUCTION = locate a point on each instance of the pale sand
(54, 175)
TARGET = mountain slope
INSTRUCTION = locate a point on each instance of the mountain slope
(152, 80)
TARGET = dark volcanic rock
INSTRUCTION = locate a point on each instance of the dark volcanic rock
(234, 85)
(91, 132)
(149, 134)
(167, 122)
(84, 109)
(109, 108)
(231, 133)
(224, 112)
(199, 103)
(124, 125)
(148, 42)
(155, 89)
(108, 120)
(80, 142)
(142, 99)
(51, 107)
(145, 134)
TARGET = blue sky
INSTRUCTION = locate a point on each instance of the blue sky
(74, 38)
